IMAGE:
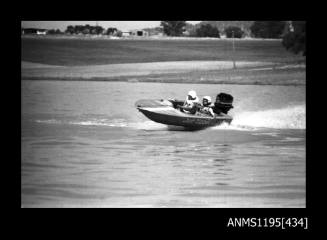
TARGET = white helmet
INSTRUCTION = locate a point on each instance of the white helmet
(208, 98)
(192, 93)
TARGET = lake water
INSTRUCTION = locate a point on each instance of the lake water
(84, 144)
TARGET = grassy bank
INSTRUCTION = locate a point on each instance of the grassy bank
(266, 74)
(78, 52)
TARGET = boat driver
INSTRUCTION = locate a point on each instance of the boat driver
(191, 103)
(207, 106)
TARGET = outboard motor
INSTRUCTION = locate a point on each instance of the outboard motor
(223, 103)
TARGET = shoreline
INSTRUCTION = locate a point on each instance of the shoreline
(148, 38)
(185, 72)
(159, 81)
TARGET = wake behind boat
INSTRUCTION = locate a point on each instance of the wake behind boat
(168, 112)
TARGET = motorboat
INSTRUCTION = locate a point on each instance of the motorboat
(168, 111)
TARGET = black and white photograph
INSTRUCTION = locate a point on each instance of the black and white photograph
(163, 114)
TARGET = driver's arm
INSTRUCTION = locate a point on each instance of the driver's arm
(211, 112)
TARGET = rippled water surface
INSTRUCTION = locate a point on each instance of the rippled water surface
(84, 144)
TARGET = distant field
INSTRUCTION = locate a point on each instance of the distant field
(82, 52)
(181, 61)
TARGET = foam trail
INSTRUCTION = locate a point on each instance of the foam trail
(49, 121)
(100, 123)
(226, 126)
(88, 122)
(147, 125)
(292, 117)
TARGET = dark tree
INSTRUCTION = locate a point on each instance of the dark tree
(173, 28)
(294, 40)
(70, 29)
(53, 31)
(267, 29)
(86, 30)
(111, 31)
(79, 29)
(233, 31)
(98, 30)
(207, 30)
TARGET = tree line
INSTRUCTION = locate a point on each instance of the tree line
(293, 34)
(89, 29)
(259, 29)
(86, 29)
